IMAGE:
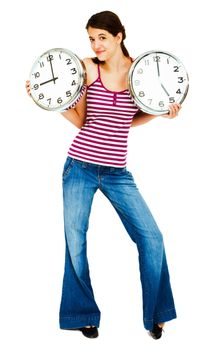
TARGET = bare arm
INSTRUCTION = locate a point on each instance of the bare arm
(77, 115)
(142, 118)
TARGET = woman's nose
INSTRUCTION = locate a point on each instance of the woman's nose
(96, 45)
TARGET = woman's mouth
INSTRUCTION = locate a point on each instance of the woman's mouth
(100, 52)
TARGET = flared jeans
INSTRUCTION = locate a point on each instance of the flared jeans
(81, 180)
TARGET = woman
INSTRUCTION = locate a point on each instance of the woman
(97, 160)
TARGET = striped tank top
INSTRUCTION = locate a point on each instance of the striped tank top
(103, 138)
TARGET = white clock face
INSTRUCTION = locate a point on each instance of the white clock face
(156, 80)
(56, 79)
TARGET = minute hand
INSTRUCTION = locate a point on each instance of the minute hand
(158, 72)
(52, 70)
(157, 62)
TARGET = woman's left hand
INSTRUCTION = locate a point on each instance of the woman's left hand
(174, 109)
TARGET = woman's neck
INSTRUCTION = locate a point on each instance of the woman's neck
(117, 63)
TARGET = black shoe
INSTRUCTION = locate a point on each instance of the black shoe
(156, 332)
(91, 332)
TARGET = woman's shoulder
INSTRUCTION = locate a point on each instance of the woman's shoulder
(91, 70)
(89, 63)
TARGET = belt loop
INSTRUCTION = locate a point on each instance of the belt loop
(84, 165)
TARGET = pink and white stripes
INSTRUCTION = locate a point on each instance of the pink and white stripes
(103, 138)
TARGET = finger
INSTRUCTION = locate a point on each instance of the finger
(28, 90)
(173, 111)
(175, 108)
(178, 107)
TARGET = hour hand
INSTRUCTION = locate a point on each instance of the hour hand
(48, 81)
(165, 89)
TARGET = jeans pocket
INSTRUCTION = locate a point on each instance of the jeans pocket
(129, 175)
(68, 167)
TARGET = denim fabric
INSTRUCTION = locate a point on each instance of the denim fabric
(80, 182)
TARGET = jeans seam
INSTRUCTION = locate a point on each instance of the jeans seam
(79, 317)
(159, 313)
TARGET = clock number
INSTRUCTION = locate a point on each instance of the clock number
(137, 82)
(41, 96)
(68, 93)
(171, 99)
(140, 71)
(41, 64)
(178, 91)
(176, 69)
(36, 86)
(50, 58)
(141, 94)
(69, 61)
(147, 62)
(180, 79)
(149, 101)
(49, 99)
(59, 100)
(36, 75)
(161, 103)
(156, 58)
(73, 82)
(74, 71)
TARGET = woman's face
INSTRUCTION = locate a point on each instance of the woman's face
(103, 43)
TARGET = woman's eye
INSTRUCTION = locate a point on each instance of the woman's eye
(102, 38)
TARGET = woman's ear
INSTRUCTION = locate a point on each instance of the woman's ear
(119, 37)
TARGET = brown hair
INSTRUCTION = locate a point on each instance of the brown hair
(110, 22)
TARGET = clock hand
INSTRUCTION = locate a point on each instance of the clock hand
(48, 81)
(157, 62)
(158, 71)
(52, 69)
(165, 89)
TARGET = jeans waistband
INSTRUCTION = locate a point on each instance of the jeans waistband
(99, 167)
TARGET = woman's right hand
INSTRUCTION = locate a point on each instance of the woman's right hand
(28, 87)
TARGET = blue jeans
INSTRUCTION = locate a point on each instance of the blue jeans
(80, 182)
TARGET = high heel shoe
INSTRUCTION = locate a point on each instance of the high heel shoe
(89, 332)
(156, 332)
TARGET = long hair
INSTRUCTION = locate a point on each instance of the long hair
(110, 22)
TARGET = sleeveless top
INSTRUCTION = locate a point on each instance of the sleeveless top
(103, 138)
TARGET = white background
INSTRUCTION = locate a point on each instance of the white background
(177, 164)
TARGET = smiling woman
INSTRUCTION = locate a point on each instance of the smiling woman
(111, 24)
(103, 43)
(97, 160)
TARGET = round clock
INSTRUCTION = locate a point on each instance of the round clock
(56, 79)
(157, 79)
